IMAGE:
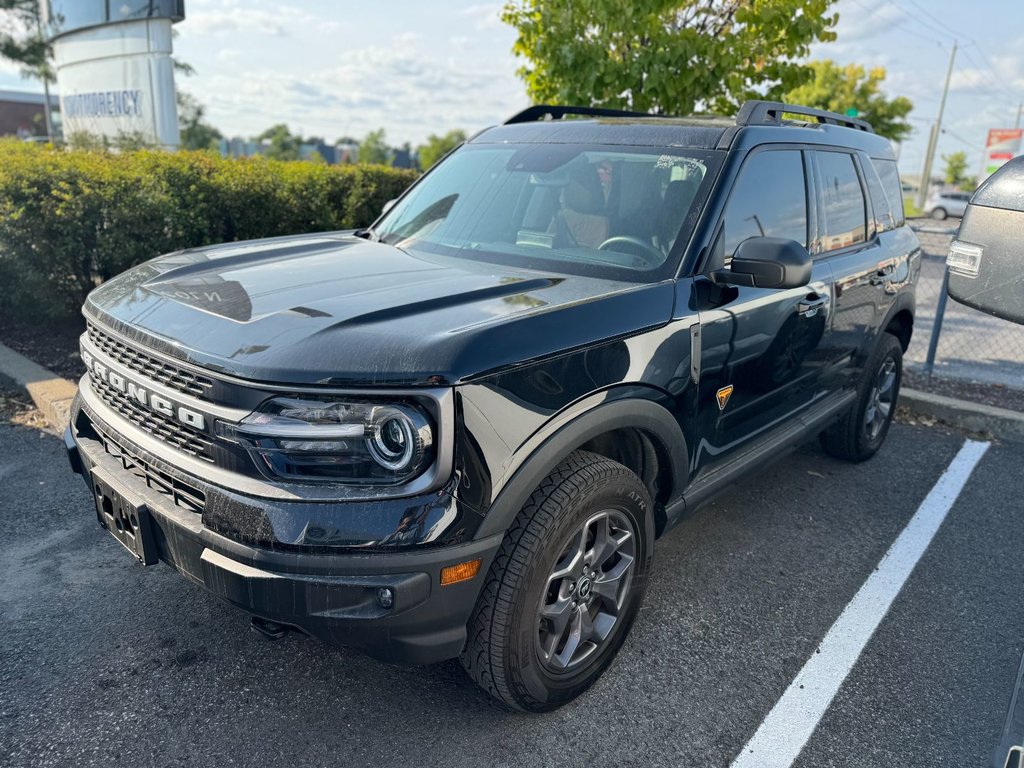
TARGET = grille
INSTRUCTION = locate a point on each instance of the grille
(181, 436)
(170, 376)
(184, 496)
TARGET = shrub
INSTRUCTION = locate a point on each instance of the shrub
(72, 219)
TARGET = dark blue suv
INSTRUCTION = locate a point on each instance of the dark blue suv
(459, 432)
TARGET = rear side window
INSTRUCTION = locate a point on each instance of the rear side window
(891, 184)
(884, 217)
(842, 199)
(769, 199)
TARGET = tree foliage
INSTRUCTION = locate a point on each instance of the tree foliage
(437, 147)
(841, 88)
(374, 149)
(70, 219)
(195, 132)
(665, 56)
(281, 144)
(955, 173)
(20, 40)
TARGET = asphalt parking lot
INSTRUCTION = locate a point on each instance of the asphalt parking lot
(105, 663)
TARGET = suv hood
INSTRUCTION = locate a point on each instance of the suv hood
(337, 309)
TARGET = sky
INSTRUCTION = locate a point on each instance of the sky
(337, 68)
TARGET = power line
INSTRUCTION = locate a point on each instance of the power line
(935, 22)
(882, 30)
(995, 73)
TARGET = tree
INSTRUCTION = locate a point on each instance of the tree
(21, 39)
(843, 88)
(282, 144)
(438, 146)
(196, 133)
(665, 55)
(373, 149)
(956, 168)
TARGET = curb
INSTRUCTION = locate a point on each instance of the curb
(998, 422)
(51, 394)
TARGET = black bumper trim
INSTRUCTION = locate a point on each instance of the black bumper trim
(329, 596)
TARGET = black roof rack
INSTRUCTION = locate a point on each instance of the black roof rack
(547, 111)
(758, 112)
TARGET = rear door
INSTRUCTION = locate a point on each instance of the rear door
(761, 349)
(864, 259)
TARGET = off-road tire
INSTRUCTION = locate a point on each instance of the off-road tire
(501, 653)
(850, 438)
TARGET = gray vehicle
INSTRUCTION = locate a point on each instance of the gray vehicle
(946, 204)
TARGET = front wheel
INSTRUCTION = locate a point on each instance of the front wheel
(860, 433)
(565, 586)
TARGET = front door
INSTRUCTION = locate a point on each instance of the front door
(763, 351)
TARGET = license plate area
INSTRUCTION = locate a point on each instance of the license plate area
(129, 523)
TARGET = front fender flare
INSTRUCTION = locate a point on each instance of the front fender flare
(572, 428)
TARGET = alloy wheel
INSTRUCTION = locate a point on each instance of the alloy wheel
(586, 591)
(881, 400)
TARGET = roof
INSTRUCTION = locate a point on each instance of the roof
(632, 131)
(695, 132)
(27, 97)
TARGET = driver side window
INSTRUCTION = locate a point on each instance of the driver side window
(769, 199)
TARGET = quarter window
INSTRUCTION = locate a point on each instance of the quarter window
(769, 199)
(843, 201)
(884, 218)
(891, 183)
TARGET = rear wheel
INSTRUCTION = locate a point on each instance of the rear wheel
(565, 586)
(939, 213)
(860, 433)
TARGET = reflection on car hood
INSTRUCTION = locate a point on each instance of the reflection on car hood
(334, 308)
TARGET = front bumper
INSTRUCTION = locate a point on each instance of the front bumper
(330, 595)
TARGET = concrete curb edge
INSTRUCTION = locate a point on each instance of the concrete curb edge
(998, 422)
(51, 394)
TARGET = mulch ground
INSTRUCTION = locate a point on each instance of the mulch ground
(52, 344)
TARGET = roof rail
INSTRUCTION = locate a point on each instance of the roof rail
(548, 111)
(757, 112)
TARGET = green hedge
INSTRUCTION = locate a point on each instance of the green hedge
(71, 219)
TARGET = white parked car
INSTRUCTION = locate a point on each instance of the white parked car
(947, 204)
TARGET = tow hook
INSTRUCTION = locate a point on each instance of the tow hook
(269, 629)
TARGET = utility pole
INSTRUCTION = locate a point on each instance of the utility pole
(929, 157)
(1020, 108)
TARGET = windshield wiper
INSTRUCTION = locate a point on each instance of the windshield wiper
(367, 233)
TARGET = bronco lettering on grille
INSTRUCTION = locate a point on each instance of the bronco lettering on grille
(141, 395)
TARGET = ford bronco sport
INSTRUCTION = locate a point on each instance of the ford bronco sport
(459, 432)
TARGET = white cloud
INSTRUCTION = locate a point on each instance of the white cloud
(402, 87)
(483, 15)
(273, 23)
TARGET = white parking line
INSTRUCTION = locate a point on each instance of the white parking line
(786, 729)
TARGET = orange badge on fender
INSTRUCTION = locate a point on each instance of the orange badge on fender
(723, 396)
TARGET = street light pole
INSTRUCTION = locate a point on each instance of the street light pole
(922, 193)
(1020, 108)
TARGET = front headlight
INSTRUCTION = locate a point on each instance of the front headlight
(349, 442)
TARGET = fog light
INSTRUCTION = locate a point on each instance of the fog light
(385, 597)
(461, 572)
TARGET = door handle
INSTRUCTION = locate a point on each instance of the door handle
(809, 307)
(883, 275)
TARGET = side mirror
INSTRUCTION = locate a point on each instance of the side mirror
(986, 260)
(388, 206)
(767, 262)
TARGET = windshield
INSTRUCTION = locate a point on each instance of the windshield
(606, 211)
